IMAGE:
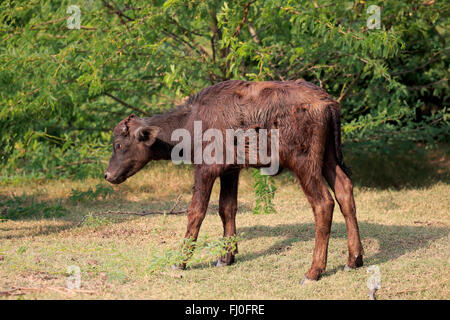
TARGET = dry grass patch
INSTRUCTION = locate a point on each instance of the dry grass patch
(404, 231)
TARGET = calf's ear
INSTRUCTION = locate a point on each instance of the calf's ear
(147, 134)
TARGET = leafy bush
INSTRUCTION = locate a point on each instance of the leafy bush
(63, 90)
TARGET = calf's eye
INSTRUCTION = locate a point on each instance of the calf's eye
(118, 146)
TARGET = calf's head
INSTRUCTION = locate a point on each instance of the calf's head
(132, 143)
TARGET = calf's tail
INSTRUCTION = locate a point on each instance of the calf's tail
(336, 129)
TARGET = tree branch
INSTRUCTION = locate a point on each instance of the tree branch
(117, 11)
(127, 105)
(345, 92)
(433, 58)
(428, 85)
(200, 51)
(244, 19)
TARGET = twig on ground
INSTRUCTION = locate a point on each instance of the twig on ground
(143, 213)
(81, 221)
(22, 290)
(435, 284)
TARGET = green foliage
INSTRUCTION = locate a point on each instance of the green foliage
(42, 156)
(19, 207)
(63, 90)
(100, 191)
(264, 193)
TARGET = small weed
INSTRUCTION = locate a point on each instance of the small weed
(95, 221)
(202, 251)
(118, 276)
(264, 187)
(21, 249)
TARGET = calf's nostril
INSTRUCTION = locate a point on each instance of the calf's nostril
(106, 176)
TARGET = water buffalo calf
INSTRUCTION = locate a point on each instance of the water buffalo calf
(308, 123)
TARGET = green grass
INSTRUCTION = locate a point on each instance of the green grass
(404, 227)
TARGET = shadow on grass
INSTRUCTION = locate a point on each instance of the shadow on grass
(394, 241)
(399, 166)
(32, 231)
(101, 213)
(404, 167)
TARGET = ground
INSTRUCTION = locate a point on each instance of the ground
(404, 227)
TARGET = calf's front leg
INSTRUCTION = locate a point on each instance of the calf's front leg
(203, 183)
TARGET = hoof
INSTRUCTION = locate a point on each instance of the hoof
(355, 262)
(359, 261)
(347, 268)
(178, 266)
(225, 261)
(351, 265)
(219, 263)
(307, 281)
(372, 294)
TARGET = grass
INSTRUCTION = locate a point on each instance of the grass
(403, 216)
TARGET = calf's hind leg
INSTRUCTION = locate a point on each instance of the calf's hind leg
(322, 204)
(227, 211)
(343, 190)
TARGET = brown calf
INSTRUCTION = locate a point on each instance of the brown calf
(308, 122)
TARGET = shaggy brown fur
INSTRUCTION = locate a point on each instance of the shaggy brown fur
(308, 120)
